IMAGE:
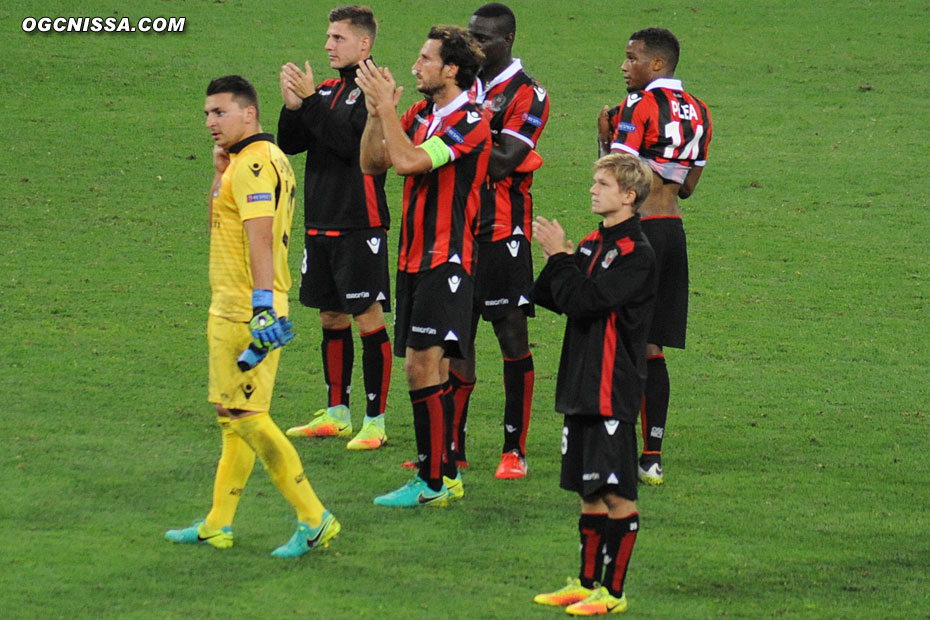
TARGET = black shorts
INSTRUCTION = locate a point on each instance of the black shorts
(504, 278)
(434, 309)
(346, 273)
(595, 460)
(670, 320)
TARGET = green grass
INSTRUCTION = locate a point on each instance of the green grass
(796, 451)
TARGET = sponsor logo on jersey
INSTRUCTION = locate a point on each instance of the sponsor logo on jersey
(472, 117)
(325, 92)
(632, 99)
(540, 92)
(374, 244)
(256, 169)
(353, 96)
(430, 331)
(454, 282)
(263, 197)
(611, 426)
(452, 133)
(585, 250)
(514, 247)
(626, 127)
(609, 258)
(535, 121)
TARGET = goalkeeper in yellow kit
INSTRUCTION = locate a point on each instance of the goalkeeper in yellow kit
(251, 205)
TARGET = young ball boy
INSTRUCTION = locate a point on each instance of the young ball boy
(607, 290)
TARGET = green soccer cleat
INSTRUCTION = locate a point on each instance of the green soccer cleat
(198, 533)
(571, 592)
(415, 493)
(455, 486)
(600, 603)
(330, 422)
(307, 538)
(371, 437)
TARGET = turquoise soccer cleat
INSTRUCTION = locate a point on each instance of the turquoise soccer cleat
(198, 533)
(415, 493)
(307, 538)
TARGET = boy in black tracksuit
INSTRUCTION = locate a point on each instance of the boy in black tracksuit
(607, 290)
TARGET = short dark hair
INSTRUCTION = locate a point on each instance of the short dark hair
(661, 42)
(496, 10)
(358, 16)
(240, 88)
(459, 48)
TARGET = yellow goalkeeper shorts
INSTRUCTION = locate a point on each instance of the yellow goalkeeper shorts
(229, 386)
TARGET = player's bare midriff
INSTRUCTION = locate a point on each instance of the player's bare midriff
(662, 200)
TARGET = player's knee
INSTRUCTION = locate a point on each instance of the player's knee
(334, 320)
(512, 335)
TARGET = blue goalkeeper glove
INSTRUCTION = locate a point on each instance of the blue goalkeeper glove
(254, 354)
(267, 332)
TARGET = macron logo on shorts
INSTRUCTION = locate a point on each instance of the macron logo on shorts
(454, 283)
(514, 247)
(611, 426)
(374, 244)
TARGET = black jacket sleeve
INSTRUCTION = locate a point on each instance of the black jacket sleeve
(315, 122)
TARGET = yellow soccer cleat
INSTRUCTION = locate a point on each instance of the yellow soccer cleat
(600, 603)
(571, 592)
(371, 437)
(331, 422)
(455, 486)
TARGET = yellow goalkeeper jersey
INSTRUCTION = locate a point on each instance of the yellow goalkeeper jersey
(258, 182)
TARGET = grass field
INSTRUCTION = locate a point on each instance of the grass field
(798, 481)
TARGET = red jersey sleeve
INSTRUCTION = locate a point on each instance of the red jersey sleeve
(467, 132)
(527, 114)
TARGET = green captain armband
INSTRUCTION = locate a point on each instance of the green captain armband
(437, 150)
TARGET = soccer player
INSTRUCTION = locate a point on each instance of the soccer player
(671, 130)
(441, 145)
(607, 290)
(250, 207)
(519, 109)
(345, 266)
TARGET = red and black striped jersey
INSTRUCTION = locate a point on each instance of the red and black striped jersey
(441, 205)
(607, 289)
(329, 126)
(519, 107)
(666, 126)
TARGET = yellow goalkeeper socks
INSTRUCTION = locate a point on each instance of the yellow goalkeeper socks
(283, 465)
(232, 472)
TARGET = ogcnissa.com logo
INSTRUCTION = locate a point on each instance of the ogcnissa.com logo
(103, 24)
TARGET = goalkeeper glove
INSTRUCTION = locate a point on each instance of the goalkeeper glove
(254, 354)
(267, 333)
